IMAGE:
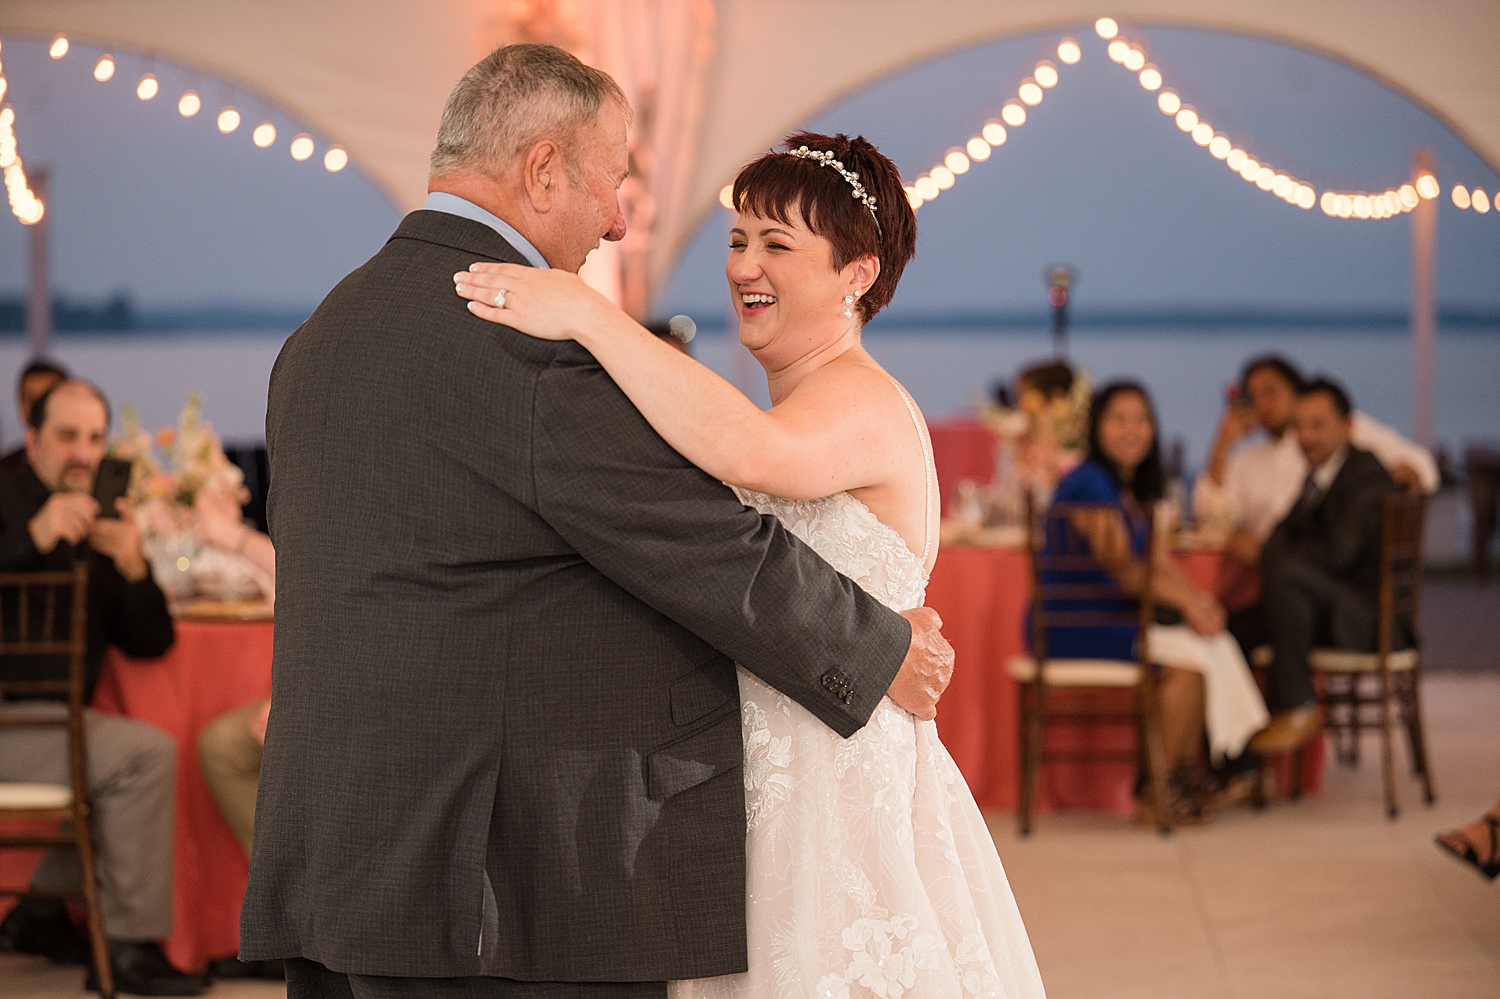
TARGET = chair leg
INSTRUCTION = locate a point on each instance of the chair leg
(98, 944)
(1033, 730)
(1387, 759)
(1156, 754)
(1298, 759)
(1416, 732)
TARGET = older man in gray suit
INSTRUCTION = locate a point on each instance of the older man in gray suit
(504, 752)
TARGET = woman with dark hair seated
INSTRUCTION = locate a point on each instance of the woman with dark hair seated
(1205, 682)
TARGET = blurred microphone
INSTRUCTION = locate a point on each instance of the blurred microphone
(683, 328)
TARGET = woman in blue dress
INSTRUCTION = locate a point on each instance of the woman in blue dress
(1205, 683)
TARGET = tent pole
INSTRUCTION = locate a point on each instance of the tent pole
(39, 287)
(1424, 220)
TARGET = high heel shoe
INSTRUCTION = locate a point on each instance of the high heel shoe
(1489, 868)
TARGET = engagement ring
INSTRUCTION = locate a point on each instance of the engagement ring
(500, 299)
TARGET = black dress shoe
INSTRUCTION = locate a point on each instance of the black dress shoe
(141, 969)
(41, 926)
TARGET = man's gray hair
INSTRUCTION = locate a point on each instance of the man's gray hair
(514, 98)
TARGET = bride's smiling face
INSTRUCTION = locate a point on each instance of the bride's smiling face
(784, 286)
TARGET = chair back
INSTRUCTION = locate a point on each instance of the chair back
(44, 624)
(1070, 586)
(1402, 519)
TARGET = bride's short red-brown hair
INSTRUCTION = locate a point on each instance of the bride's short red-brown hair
(778, 185)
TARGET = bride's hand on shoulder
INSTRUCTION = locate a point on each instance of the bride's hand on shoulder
(547, 304)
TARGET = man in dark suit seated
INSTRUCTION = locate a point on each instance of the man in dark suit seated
(37, 379)
(48, 519)
(1320, 567)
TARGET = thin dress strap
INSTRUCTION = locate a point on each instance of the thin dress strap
(929, 467)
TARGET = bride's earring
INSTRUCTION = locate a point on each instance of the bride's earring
(848, 306)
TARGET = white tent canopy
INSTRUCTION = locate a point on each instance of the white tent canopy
(730, 77)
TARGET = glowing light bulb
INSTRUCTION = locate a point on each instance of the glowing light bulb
(335, 159)
(956, 161)
(1203, 133)
(978, 149)
(1046, 74)
(1361, 206)
(1343, 206)
(301, 147)
(1392, 202)
(1305, 196)
(1187, 119)
(264, 134)
(1169, 102)
(1106, 27)
(1264, 178)
(1481, 201)
(1427, 186)
(1030, 93)
(726, 196)
(59, 47)
(147, 88)
(3, 87)
(7, 117)
(1219, 147)
(229, 120)
(1460, 196)
(1329, 203)
(993, 133)
(942, 177)
(1236, 159)
(1151, 78)
(1013, 115)
(1282, 186)
(1069, 52)
(1250, 169)
(189, 105)
(913, 198)
(1134, 60)
(1408, 196)
(1117, 50)
(104, 69)
(926, 187)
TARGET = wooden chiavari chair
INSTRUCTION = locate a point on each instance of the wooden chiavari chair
(1361, 690)
(31, 628)
(1090, 687)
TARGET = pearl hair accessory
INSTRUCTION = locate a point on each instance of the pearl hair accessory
(825, 157)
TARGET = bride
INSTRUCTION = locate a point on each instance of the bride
(870, 870)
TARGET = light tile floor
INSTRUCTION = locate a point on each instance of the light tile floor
(1321, 899)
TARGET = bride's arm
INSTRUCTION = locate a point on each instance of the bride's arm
(817, 442)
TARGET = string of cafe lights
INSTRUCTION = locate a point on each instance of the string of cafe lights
(23, 200)
(228, 121)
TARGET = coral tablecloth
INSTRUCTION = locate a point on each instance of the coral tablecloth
(213, 667)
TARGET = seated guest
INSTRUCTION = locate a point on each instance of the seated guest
(1320, 567)
(48, 519)
(231, 746)
(1204, 678)
(1252, 486)
(36, 380)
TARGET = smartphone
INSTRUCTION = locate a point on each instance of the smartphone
(110, 483)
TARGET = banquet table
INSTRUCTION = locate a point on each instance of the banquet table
(213, 667)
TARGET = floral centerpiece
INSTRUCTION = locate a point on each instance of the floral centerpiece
(171, 471)
(1039, 440)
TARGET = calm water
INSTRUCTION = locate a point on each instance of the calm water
(1185, 371)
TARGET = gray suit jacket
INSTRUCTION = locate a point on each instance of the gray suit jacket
(504, 733)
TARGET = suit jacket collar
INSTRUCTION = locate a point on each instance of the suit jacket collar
(458, 233)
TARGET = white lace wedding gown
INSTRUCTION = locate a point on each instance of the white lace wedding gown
(870, 870)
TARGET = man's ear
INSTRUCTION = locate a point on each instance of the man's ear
(543, 165)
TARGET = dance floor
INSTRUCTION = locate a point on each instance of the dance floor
(1323, 898)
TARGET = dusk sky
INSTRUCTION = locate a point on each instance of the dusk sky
(175, 213)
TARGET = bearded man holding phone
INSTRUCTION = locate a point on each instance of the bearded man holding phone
(50, 518)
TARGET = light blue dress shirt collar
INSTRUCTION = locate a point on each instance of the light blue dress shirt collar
(442, 201)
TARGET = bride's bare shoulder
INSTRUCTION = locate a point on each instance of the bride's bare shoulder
(859, 386)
